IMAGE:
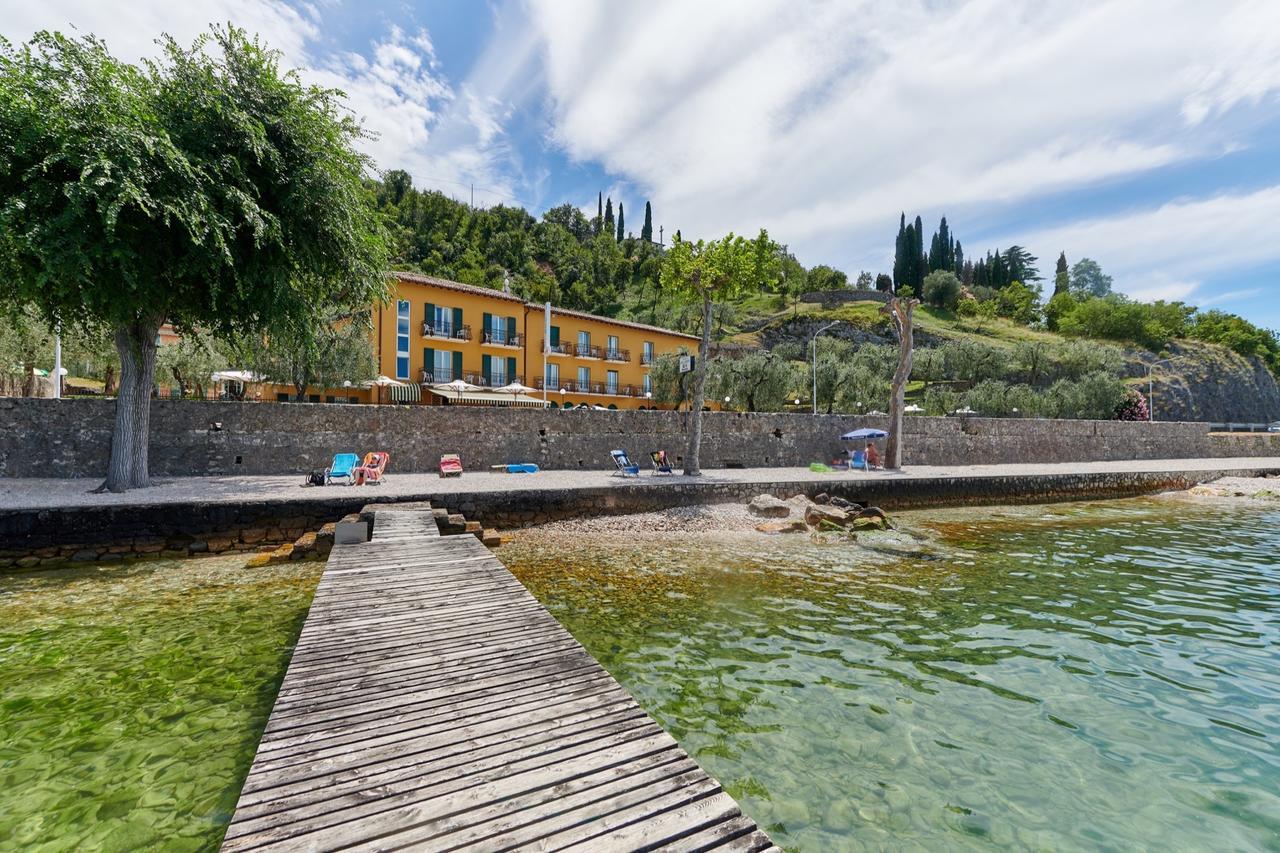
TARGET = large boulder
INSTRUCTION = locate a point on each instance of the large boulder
(767, 506)
(793, 525)
(820, 516)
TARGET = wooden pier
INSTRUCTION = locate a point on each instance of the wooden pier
(432, 703)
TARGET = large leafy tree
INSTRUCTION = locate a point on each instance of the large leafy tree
(705, 272)
(209, 188)
(1087, 279)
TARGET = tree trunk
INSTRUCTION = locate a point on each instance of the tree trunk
(127, 467)
(691, 466)
(900, 311)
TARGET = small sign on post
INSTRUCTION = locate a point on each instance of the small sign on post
(686, 364)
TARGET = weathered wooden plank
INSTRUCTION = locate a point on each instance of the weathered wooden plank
(433, 703)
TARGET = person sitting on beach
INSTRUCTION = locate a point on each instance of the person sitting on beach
(873, 456)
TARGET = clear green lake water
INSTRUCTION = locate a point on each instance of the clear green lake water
(132, 698)
(1070, 677)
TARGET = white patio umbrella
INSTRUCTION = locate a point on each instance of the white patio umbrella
(912, 409)
(514, 389)
(457, 386)
(382, 380)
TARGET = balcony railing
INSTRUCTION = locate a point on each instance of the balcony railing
(617, 355)
(494, 379)
(647, 358)
(587, 351)
(499, 337)
(561, 348)
(446, 330)
(437, 376)
(571, 386)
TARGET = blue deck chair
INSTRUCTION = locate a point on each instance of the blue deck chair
(343, 468)
(625, 466)
(858, 459)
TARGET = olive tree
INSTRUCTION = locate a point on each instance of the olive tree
(337, 348)
(705, 272)
(208, 188)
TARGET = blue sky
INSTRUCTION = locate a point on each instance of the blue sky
(1142, 133)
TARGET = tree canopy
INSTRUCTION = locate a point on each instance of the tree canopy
(208, 188)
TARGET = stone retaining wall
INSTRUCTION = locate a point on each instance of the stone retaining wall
(71, 438)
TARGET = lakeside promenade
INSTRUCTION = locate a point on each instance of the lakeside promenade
(20, 494)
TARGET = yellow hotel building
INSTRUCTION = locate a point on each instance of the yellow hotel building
(435, 331)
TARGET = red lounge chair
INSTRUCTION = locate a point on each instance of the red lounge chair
(371, 470)
(450, 465)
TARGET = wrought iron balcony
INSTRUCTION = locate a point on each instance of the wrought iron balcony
(500, 338)
(447, 330)
(617, 355)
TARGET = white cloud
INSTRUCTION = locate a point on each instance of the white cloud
(822, 121)
(394, 84)
(1168, 251)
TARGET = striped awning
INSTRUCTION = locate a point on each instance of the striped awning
(490, 398)
(405, 393)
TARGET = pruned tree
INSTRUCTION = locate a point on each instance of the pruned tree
(705, 272)
(209, 188)
(191, 362)
(334, 349)
(900, 313)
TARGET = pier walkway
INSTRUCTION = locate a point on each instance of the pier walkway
(432, 703)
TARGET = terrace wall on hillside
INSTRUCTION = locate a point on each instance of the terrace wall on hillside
(71, 438)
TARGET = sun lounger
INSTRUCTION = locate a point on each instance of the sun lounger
(371, 470)
(450, 465)
(342, 468)
(661, 465)
(626, 468)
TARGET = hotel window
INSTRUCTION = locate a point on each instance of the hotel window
(612, 350)
(443, 365)
(647, 358)
(443, 322)
(402, 339)
(499, 330)
(553, 377)
(584, 343)
(611, 382)
(648, 384)
(584, 380)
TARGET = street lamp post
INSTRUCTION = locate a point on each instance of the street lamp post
(1151, 408)
(814, 342)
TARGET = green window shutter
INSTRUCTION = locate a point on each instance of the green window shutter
(511, 329)
(457, 365)
(511, 370)
(457, 319)
(555, 336)
(428, 359)
(488, 320)
(430, 317)
(486, 368)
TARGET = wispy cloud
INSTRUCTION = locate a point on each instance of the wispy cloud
(822, 120)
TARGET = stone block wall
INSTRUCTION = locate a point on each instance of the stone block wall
(71, 438)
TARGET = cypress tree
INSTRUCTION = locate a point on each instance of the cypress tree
(919, 259)
(909, 257)
(1061, 278)
(958, 260)
(900, 253)
(622, 232)
(646, 230)
(608, 217)
(599, 213)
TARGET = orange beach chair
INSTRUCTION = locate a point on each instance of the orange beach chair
(371, 470)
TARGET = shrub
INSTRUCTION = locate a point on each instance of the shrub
(1133, 408)
(942, 289)
(1095, 396)
(1116, 318)
(1238, 335)
(1019, 303)
(967, 307)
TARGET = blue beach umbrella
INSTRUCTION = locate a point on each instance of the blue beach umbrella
(864, 434)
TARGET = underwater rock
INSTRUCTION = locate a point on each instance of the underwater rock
(795, 525)
(871, 518)
(768, 506)
(822, 498)
(842, 503)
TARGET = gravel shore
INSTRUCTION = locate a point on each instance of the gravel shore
(709, 519)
